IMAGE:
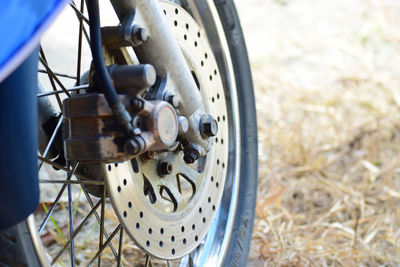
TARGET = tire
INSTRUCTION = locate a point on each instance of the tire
(17, 247)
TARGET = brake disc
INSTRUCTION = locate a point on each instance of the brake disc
(167, 216)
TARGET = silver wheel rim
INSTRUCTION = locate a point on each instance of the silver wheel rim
(212, 249)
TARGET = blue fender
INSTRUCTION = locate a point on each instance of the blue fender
(19, 188)
(22, 22)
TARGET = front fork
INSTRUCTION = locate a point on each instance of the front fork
(162, 50)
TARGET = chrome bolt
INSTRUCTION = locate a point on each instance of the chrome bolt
(139, 35)
(164, 168)
(173, 100)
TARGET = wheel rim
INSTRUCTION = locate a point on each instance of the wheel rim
(212, 248)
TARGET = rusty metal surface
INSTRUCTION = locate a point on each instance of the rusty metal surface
(92, 134)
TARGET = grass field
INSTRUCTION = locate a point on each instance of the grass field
(327, 81)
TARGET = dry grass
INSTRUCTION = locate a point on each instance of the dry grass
(327, 77)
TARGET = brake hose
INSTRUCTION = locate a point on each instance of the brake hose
(102, 76)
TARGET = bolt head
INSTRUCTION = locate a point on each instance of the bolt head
(190, 156)
(143, 35)
(164, 168)
(139, 35)
(183, 124)
(173, 100)
(131, 147)
(208, 126)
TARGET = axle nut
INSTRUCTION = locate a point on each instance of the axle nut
(208, 126)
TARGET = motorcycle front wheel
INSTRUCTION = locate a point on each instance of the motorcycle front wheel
(228, 236)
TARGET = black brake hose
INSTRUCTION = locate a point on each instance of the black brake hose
(102, 76)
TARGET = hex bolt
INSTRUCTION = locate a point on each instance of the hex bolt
(164, 168)
(139, 35)
(131, 147)
(173, 100)
(208, 126)
(191, 154)
(183, 125)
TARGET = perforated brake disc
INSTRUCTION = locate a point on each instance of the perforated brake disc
(167, 217)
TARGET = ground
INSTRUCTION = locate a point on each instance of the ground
(327, 84)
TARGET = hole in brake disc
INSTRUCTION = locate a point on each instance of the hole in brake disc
(148, 190)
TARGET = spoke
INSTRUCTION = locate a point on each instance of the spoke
(191, 263)
(56, 200)
(121, 237)
(108, 241)
(103, 203)
(49, 181)
(148, 262)
(54, 164)
(59, 74)
(78, 229)
(81, 17)
(53, 85)
(50, 72)
(71, 225)
(78, 12)
(60, 167)
(53, 136)
(98, 220)
(75, 88)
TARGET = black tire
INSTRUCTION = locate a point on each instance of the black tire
(243, 222)
(16, 247)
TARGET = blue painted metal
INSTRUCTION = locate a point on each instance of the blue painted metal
(19, 189)
(22, 22)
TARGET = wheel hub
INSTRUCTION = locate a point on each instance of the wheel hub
(165, 205)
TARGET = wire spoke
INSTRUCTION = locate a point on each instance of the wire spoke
(75, 88)
(46, 219)
(121, 237)
(71, 225)
(80, 15)
(78, 67)
(99, 222)
(53, 136)
(50, 72)
(103, 203)
(53, 85)
(148, 262)
(58, 74)
(78, 229)
(78, 12)
(106, 243)
(49, 181)
(60, 167)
